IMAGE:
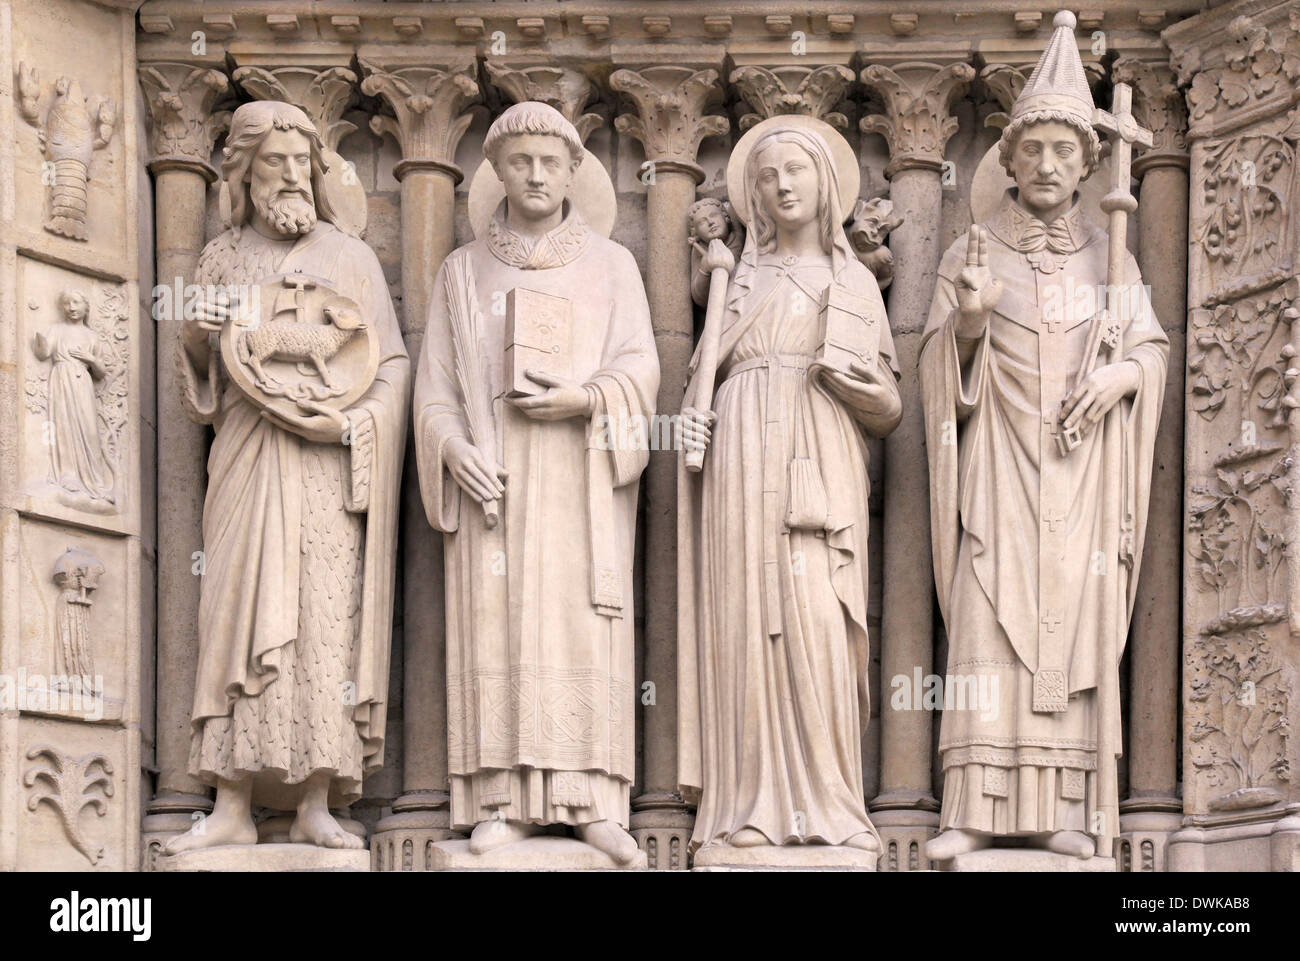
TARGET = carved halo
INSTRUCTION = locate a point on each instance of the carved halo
(842, 155)
(592, 194)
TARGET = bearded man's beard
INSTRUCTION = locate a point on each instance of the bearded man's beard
(291, 214)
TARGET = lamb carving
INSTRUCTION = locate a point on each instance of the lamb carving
(304, 343)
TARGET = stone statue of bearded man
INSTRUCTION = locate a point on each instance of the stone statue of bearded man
(299, 522)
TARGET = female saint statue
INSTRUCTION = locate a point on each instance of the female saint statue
(773, 648)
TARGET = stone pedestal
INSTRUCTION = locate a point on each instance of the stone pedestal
(662, 826)
(1144, 835)
(530, 854)
(903, 834)
(1265, 839)
(266, 857)
(404, 840)
(1025, 860)
(800, 857)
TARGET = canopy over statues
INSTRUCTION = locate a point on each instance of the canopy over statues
(300, 520)
(773, 647)
(1040, 469)
(538, 340)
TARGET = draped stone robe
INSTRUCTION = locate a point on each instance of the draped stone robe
(1035, 554)
(540, 660)
(772, 571)
(299, 542)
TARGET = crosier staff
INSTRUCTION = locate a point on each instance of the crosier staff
(1119, 202)
(1108, 327)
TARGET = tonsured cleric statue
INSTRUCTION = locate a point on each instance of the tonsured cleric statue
(1042, 372)
(538, 338)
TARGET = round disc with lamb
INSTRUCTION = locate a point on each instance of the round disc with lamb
(295, 345)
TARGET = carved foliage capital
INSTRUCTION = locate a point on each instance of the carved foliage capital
(670, 120)
(183, 125)
(429, 109)
(917, 98)
(564, 88)
(1259, 72)
(810, 91)
(1158, 106)
(322, 93)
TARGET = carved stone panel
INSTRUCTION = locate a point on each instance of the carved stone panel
(74, 625)
(79, 416)
(70, 141)
(73, 806)
(1241, 582)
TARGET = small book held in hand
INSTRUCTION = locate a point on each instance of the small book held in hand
(539, 336)
(850, 325)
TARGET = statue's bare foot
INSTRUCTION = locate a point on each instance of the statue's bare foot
(1074, 843)
(215, 830)
(953, 842)
(866, 841)
(748, 838)
(609, 837)
(317, 826)
(497, 833)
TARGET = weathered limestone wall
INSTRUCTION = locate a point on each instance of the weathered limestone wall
(76, 441)
(404, 92)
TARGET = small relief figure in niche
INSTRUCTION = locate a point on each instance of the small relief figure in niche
(79, 464)
(708, 220)
(76, 573)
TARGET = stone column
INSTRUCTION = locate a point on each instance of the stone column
(916, 124)
(669, 122)
(1152, 808)
(428, 104)
(183, 128)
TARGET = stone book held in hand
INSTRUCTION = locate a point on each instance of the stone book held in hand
(850, 325)
(539, 336)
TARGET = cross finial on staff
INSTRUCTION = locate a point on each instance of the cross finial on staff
(1118, 203)
(1124, 130)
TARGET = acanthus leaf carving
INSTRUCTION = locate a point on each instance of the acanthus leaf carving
(428, 104)
(670, 120)
(183, 124)
(566, 89)
(323, 93)
(808, 91)
(917, 98)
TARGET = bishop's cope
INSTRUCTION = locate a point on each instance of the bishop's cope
(1042, 371)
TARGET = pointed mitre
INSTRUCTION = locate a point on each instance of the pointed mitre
(1058, 82)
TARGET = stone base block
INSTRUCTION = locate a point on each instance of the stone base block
(544, 853)
(1144, 839)
(903, 834)
(1028, 860)
(789, 857)
(1264, 839)
(404, 841)
(662, 826)
(266, 857)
